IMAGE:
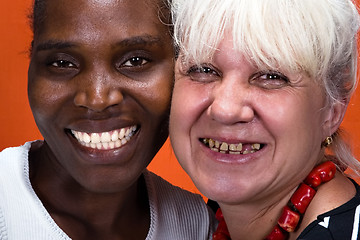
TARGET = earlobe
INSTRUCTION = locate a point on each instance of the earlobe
(335, 115)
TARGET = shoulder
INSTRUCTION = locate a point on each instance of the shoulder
(339, 223)
(19, 204)
(12, 160)
(162, 192)
(177, 212)
(11, 153)
(166, 189)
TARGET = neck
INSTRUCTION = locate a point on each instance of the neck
(74, 207)
(244, 220)
(289, 219)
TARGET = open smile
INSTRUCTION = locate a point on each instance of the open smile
(105, 140)
(231, 148)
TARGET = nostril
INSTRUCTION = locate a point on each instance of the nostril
(115, 97)
(98, 101)
(80, 99)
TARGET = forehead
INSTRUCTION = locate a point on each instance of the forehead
(91, 20)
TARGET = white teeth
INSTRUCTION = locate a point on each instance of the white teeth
(122, 133)
(85, 137)
(105, 140)
(127, 132)
(118, 143)
(95, 138)
(115, 136)
(231, 148)
(105, 137)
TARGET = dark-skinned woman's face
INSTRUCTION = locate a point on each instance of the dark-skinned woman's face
(100, 81)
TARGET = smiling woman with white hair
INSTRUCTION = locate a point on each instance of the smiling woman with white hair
(261, 89)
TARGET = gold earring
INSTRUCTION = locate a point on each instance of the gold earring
(327, 141)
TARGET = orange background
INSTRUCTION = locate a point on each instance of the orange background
(18, 126)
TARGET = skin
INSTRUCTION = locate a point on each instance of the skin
(98, 66)
(231, 100)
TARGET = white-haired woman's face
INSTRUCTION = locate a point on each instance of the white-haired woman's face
(244, 133)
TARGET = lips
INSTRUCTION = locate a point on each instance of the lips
(231, 148)
(105, 140)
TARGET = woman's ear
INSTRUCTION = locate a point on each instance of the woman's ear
(334, 117)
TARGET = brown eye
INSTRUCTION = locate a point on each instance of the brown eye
(135, 62)
(62, 64)
(203, 73)
(269, 80)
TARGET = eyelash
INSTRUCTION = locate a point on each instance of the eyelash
(62, 64)
(203, 69)
(270, 79)
(136, 59)
(204, 73)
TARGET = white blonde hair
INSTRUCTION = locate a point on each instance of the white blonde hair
(318, 37)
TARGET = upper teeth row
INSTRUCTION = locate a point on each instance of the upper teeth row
(105, 137)
(231, 148)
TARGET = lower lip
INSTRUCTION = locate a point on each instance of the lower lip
(102, 156)
(231, 158)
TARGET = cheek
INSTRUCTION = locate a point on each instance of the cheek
(188, 103)
(46, 100)
(184, 108)
(41, 97)
(294, 122)
(290, 110)
(157, 97)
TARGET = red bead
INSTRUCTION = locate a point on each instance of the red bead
(221, 232)
(302, 197)
(321, 174)
(277, 234)
(327, 171)
(219, 216)
(289, 219)
(222, 228)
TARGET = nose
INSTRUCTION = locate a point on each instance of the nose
(232, 102)
(98, 92)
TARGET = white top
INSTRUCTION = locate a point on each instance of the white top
(175, 213)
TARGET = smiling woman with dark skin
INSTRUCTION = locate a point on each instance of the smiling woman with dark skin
(100, 80)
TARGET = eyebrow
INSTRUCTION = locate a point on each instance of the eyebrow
(140, 40)
(143, 40)
(52, 44)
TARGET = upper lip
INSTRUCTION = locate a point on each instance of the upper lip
(99, 126)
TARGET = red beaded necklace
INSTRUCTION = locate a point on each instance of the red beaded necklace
(291, 215)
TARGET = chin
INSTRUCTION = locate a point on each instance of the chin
(108, 182)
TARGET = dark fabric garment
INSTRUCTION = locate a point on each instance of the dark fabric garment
(341, 223)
